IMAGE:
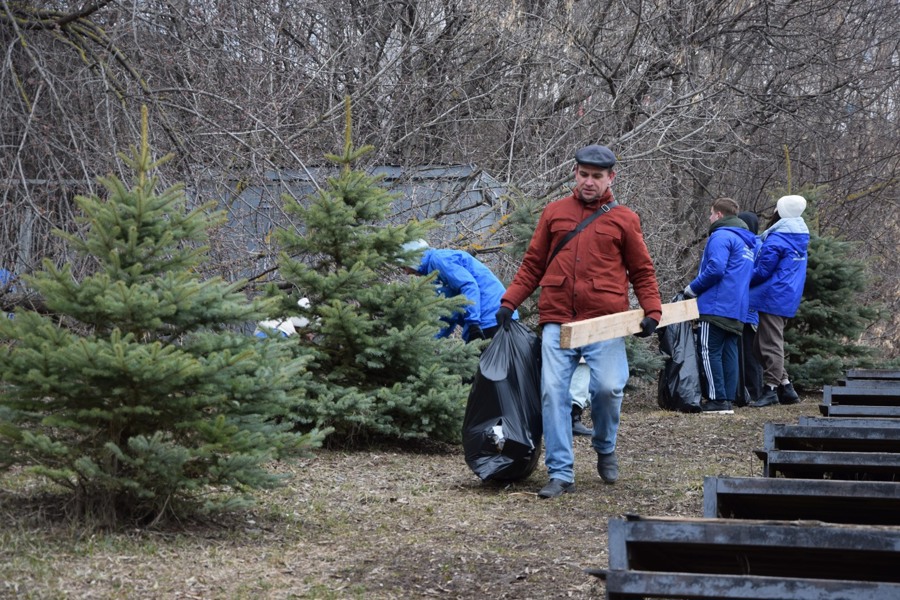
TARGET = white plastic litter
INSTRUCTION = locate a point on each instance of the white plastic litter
(498, 437)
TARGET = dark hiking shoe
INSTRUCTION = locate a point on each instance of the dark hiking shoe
(743, 399)
(787, 395)
(579, 428)
(556, 487)
(608, 467)
(769, 397)
(721, 408)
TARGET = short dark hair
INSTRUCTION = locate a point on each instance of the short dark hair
(726, 206)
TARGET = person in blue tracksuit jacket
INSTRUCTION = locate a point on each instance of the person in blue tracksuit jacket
(776, 289)
(458, 273)
(722, 292)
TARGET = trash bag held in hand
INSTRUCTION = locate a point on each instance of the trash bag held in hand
(679, 381)
(502, 428)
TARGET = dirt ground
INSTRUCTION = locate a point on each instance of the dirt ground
(395, 523)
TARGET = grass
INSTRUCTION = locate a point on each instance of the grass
(391, 523)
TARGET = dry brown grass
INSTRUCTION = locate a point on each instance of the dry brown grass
(392, 523)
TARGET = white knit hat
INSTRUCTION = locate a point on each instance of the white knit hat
(790, 206)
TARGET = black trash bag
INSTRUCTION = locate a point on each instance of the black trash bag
(502, 428)
(679, 380)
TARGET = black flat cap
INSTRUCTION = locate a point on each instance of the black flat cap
(598, 156)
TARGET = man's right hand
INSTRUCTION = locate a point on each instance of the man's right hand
(504, 317)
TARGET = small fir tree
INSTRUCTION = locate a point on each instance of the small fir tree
(135, 397)
(820, 341)
(379, 371)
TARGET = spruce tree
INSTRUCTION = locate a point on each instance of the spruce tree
(821, 340)
(136, 395)
(379, 371)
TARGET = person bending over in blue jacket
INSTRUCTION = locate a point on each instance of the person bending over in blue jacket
(458, 273)
(722, 292)
(775, 292)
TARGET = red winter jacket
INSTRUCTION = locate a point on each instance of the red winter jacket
(589, 277)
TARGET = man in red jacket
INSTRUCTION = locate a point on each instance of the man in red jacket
(585, 278)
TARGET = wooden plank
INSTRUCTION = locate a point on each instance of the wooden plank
(631, 585)
(771, 498)
(607, 327)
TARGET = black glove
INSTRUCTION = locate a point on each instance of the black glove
(648, 326)
(689, 293)
(475, 333)
(504, 317)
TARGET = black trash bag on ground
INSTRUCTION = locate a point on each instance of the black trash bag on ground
(502, 428)
(679, 380)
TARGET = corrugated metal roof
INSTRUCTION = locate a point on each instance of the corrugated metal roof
(465, 200)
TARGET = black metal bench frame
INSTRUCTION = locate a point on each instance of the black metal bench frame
(741, 559)
(770, 498)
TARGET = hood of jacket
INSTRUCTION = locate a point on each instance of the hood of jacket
(793, 231)
(751, 220)
(737, 226)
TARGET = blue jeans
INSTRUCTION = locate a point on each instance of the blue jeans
(578, 389)
(609, 374)
(719, 361)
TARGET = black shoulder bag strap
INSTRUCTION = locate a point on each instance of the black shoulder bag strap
(600, 211)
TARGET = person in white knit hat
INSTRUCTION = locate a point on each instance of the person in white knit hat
(776, 288)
